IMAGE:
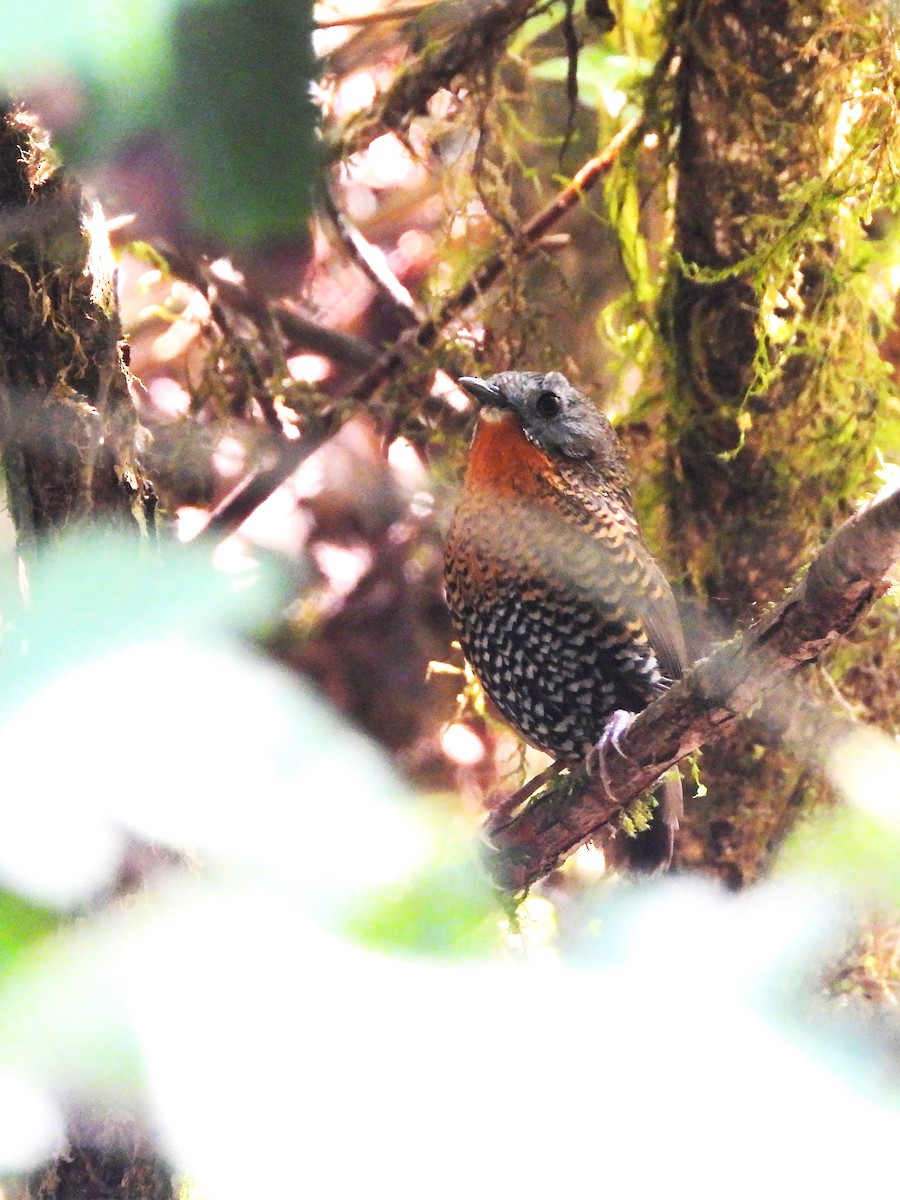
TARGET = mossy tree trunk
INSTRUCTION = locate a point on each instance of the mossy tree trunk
(776, 376)
(70, 443)
(68, 428)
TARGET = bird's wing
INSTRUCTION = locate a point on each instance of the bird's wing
(621, 554)
(662, 622)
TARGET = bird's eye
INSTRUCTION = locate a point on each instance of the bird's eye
(547, 404)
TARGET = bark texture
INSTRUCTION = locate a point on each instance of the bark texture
(71, 444)
(70, 436)
(120, 1166)
(774, 412)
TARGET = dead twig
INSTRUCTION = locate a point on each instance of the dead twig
(372, 261)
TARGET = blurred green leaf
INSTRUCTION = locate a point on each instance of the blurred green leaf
(105, 39)
(542, 22)
(63, 1020)
(599, 73)
(117, 52)
(21, 926)
(851, 848)
(229, 78)
(89, 597)
(447, 909)
(244, 117)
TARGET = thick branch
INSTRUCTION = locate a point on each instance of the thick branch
(842, 582)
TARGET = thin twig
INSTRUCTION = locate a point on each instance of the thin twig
(372, 261)
(400, 13)
(261, 391)
(300, 332)
(490, 271)
(453, 48)
(264, 479)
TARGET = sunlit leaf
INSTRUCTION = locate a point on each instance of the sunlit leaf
(446, 909)
(600, 75)
(21, 925)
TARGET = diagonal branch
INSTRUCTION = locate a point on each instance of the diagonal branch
(842, 582)
(263, 480)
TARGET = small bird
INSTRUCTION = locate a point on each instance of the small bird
(562, 611)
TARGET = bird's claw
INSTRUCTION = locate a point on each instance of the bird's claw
(613, 732)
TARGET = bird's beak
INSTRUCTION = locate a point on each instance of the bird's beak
(483, 393)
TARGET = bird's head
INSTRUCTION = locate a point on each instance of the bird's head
(552, 414)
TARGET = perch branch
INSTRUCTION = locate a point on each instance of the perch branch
(844, 579)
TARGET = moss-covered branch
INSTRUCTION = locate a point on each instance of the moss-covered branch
(451, 39)
(71, 456)
(841, 584)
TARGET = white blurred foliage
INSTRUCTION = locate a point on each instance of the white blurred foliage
(865, 768)
(31, 1127)
(204, 747)
(282, 1060)
(274, 1057)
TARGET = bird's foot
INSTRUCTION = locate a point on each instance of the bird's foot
(613, 731)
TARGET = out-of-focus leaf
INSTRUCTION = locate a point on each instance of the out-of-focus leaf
(89, 597)
(600, 74)
(853, 849)
(230, 78)
(118, 54)
(21, 925)
(64, 1022)
(31, 1125)
(205, 747)
(542, 22)
(93, 38)
(446, 909)
(856, 846)
(244, 116)
(267, 1042)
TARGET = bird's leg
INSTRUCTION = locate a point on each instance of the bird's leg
(652, 851)
(613, 731)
